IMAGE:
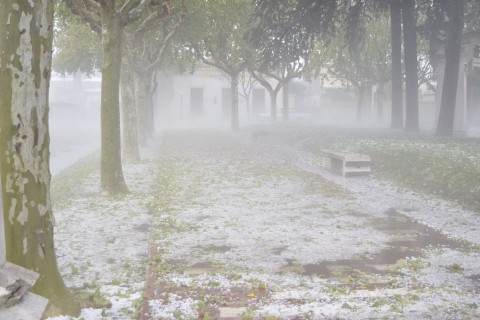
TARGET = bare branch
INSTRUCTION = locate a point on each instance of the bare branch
(265, 83)
(93, 4)
(166, 41)
(133, 9)
(101, 2)
(212, 61)
(215, 64)
(150, 22)
(91, 16)
(129, 5)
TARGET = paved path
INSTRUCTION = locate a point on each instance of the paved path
(256, 231)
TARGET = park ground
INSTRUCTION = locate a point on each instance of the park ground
(218, 226)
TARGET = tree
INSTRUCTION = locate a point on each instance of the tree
(222, 42)
(283, 43)
(352, 70)
(411, 65)
(288, 31)
(131, 151)
(247, 84)
(146, 45)
(455, 14)
(397, 77)
(363, 65)
(272, 91)
(111, 17)
(283, 75)
(25, 62)
(380, 50)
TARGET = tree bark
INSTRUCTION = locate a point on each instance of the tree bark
(235, 124)
(25, 62)
(247, 104)
(452, 60)
(273, 92)
(397, 82)
(151, 94)
(131, 151)
(380, 91)
(285, 101)
(360, 97)
(112, 180)
(273, 105)
(144, 106)
(411, 65)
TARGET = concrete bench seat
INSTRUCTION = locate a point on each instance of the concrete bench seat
(16, 302)
(347, 164)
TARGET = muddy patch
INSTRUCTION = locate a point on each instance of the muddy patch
(409, 238)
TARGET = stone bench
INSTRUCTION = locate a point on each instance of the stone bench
(16, 301)
(347, 164)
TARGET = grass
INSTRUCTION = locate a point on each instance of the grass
(65, 183)
(453, 177)
(446, 168)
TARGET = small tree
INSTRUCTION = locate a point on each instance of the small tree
(380, 57)
(247, 84)
(283, 43)
(411, 65)
(111, 17)
(222, 43)
(272, 91)
(397, 76)
(146, 45)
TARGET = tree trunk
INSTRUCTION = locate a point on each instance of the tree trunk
(360, 97)
(397, 82)
(234, 87)
(153, 104)
(131, 151)
(144, 106)
(452, 61)
(25, 62)
(411, 65)
(380, 91)
(285, 101)
(247, 105)
(273, 105)
(112, 180)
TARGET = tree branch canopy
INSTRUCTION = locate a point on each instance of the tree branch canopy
(94, 4)
(88, 10)
(158, 55)
(130, 5)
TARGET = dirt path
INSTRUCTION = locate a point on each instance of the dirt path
(246, 230)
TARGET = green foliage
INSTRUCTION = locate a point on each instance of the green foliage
(66, 181)
(286, 30)
(446, 168)
(368, 63)
(453, 177)
(455, 268)
(76, 46)
(215, 31)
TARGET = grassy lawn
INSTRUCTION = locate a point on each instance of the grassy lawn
(447, 168)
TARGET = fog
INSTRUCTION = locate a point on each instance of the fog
(74, 120)
(279, 218)
(256, 160)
